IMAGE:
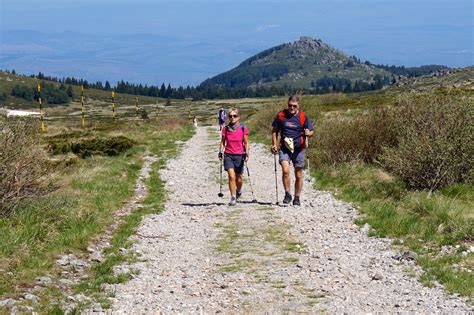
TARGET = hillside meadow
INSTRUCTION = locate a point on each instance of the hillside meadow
(367, 150)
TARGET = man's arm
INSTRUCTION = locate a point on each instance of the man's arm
(274, 141)
(308, 133)
(308, 128)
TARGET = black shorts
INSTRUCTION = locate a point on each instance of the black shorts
(235, 161)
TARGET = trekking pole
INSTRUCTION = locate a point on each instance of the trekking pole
(251, 188)
(220, 187)
(307, 154)
(276, 179)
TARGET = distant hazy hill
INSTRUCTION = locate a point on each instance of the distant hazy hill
(307, 63)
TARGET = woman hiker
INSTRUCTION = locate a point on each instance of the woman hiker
(234, 150)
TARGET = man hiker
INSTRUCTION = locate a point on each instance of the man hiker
(221, 117)
(234, 150)
(293, 126)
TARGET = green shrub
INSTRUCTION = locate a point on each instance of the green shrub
(112, 146)
(144, 114)
(426, 140)
(23, 165)
(435, 141)
(362, 138)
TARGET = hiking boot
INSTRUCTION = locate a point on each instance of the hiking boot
(296, 201)
(232, 201)
(239, 194)
(287, 198)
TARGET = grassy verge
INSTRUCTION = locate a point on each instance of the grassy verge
(88, 192)
(164, 147)
(416, 220)
(64, 221)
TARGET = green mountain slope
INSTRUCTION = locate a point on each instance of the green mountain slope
(8, 81)
(297, 64)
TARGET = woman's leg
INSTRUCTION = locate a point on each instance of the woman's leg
(238, 181)
(232, 179)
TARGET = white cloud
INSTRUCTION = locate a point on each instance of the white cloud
(263, 28)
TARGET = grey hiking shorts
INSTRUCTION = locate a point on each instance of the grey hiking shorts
(235, 161)
(297, 157)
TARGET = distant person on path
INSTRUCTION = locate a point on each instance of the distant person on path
(195, 122)
(293, 126)
(234, 150)
(221, 117)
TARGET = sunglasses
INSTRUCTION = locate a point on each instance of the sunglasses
(233, 116)
(292, 106)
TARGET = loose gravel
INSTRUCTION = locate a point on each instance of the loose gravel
(202, 256)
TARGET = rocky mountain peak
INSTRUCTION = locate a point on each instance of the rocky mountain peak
(306, 42)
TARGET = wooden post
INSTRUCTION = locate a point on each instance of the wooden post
(82, 106)
(41, 108)
(113, 106)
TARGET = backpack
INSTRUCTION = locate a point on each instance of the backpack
(281, 116)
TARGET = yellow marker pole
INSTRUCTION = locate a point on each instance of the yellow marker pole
(136, 105)
(41, 107)
(82, 106)
(113, 105)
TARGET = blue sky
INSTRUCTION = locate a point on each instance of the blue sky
(184, 42)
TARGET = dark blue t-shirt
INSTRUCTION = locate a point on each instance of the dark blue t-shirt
(290, 127)
(221, 115)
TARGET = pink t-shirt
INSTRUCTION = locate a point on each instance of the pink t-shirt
(234, 140)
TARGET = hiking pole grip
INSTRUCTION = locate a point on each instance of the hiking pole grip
(220, 183)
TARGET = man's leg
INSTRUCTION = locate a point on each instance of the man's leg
(298, 162)
(285, 175)
(299, 181)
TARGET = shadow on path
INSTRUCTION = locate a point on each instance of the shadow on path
(258, 202)
(204, 204)
(224, 204)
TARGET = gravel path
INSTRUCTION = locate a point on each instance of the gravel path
(200, 255)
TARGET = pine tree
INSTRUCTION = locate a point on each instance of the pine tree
(162, 90)
(169, 91)
(69, 91)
